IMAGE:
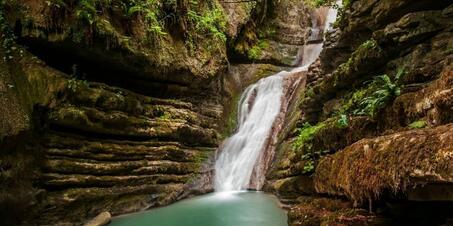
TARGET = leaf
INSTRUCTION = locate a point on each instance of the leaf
(134, 9)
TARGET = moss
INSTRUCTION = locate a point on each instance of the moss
(310, 92)
(256, 51)
(113, 35)
(370, 167)
(368, 51)
(417, 124)
(306, 133)
(231, 122)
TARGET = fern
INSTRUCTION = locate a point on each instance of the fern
(149, 10)
(211, 22)
(86, 11)
(386, 91)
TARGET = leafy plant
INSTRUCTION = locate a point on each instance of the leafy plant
(386, 90)
(211, 22)
(149, 10)
(86, 11)
(342, 122)
(74, 84)
(255, 52)
(369, 44)
(309, 166)
(306, 133)
(310, 158)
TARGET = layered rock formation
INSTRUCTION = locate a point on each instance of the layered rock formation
(107, 110)
(381, 146)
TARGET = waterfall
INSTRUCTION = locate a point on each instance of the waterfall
(258, 108)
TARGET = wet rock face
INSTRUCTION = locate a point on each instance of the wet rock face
(98, 34)
(362, 18)
(120, 151)
(90, 147)
(274, 37)
(388, 161)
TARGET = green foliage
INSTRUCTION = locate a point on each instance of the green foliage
(310, 92)
(309, 166)
(342, 122)
(369, 44)
(74, 84)
(86, 11)
(310, 158)
(386, 90)
(347, 3)
(210, 22)
(205, 18)
(306, 133)
(417, 124)
(332, 3)
(255, 52)
(149, 10)
(319, 3)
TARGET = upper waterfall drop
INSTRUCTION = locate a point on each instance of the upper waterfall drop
(258, 108)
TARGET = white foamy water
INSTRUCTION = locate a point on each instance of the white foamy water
(258, 108)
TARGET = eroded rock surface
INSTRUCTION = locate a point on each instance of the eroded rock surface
(385, 161)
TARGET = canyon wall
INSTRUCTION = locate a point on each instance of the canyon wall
(120, 106)
(370, 140)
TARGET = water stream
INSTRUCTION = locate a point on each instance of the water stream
(258, 108)
(239, 163)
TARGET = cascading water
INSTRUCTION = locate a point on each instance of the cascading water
(259, 106)
(245, 156)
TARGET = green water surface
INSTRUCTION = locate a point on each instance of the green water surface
(216, 209)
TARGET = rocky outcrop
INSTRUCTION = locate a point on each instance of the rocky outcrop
(275, 36)
(125, 37)
(112, 109)
(100, 148)
(396, 162)
(384, 155)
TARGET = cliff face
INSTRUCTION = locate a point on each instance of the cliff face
(120, 105)
(375, 121)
